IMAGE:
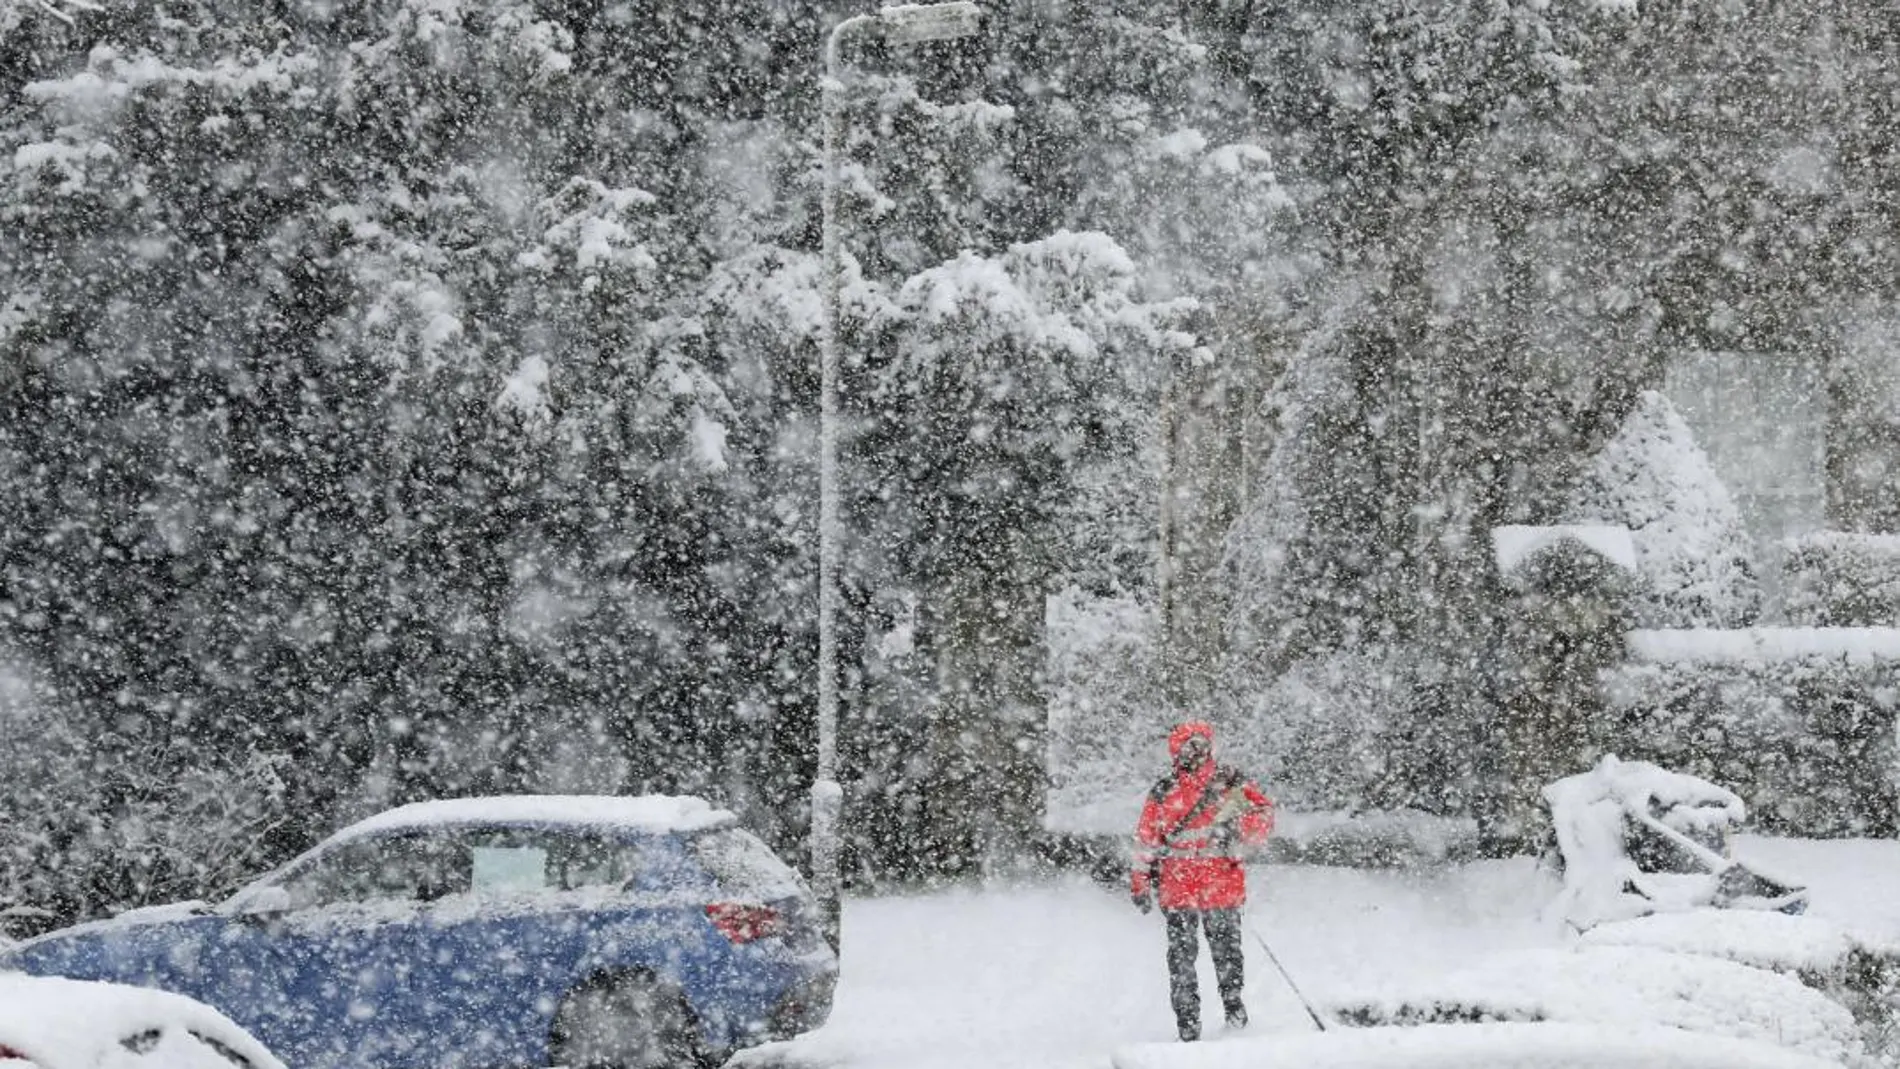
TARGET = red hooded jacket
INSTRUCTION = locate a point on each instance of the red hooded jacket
(1192, 828)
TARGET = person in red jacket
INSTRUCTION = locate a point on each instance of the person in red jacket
(1188, 843)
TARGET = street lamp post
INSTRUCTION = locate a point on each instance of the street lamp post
(900, 25)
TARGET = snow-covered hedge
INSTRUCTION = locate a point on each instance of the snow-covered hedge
(1861, 975)
(1763, 939)
(1623, 986)
(1317, 732)
(1379, 727)
(1541, 1045)
(1799, 722)
(1843, 579)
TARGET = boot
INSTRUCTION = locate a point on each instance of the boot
(1236, 1016)
(1189, 1031)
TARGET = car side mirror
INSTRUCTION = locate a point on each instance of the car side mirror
(264, 905)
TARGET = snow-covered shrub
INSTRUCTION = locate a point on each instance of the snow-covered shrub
(1326, 734)
(1334, 732)
(1625, 986)
(1764, 939)
(1843, 579)
(1858, 974)
(1691, 547)
(1800, 723)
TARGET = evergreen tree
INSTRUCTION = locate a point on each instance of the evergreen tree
(1690, 543)
(381, 439)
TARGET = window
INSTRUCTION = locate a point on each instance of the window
(594, 861)
(515, 860)
(417, 868)
(744, 866)
(508, 868)
(425, 866)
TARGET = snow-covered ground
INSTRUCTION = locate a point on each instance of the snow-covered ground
(1057, 975)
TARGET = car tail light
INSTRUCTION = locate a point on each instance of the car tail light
(743, 923)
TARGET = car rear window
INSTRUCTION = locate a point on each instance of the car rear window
(744, 866)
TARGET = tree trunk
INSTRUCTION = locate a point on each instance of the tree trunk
(990, 724)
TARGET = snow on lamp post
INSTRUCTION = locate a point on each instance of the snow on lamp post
(900, 25)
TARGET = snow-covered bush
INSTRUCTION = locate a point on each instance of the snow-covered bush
(1691, 547)
(1856, 973)
(1842, 579)
(1318, 734)
(1626, 986)
(1800, 723)
(1382, 727)
(1794, 945)
(1337, 732)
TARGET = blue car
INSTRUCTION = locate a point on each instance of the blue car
(620, 933)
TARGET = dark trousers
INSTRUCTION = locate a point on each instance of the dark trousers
(1230, 961)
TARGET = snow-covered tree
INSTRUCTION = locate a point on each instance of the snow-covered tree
(1303, 562)
(383, 439)
(1000, 378)
(1691, 545)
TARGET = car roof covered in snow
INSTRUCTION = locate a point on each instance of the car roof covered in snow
(1472, 1046)
(651, 813)
(59, 1023)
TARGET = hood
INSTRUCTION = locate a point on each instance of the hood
(59, 1022)
(1186, 730)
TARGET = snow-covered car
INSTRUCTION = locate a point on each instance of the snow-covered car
(1473, 1046)
(521, 931)
(55, 1023)
(1616, 985)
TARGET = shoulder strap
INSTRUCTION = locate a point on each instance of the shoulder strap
(1218, 784)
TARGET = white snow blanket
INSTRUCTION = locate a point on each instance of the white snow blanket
(1463, 1046)
(1764, 645)
(1763, 939)
(1059, 974)
(1631, 985)
(1511, 544)
(81, 1024)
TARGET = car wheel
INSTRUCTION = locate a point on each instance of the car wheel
(630, 1022)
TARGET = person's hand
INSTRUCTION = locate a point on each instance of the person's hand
(1143, 902)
